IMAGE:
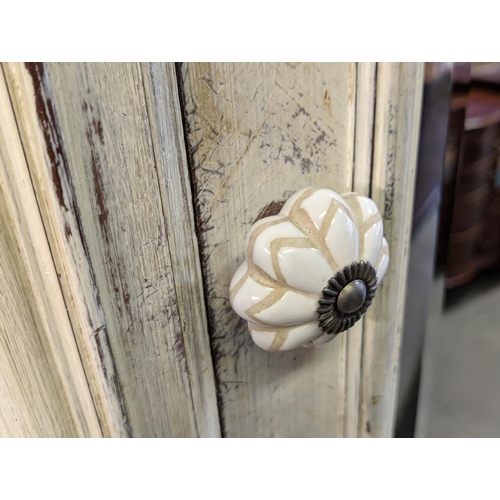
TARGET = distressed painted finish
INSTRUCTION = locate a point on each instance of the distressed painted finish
(49, 173)
(107, 330)
(256, 134)
(397, 125)
(106, 152)
(43, 388)
(163, 105)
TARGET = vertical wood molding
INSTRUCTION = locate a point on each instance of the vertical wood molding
(104, 328)
(257, 133)
(48, 168)
(256, 136)
(168, 142)
(117, 212)
(43, 388)
(363, 148)
(397, 125)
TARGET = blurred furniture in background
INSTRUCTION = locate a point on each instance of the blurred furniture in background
(426, 213)
(470, 215)
(459, 232)
(458, 392)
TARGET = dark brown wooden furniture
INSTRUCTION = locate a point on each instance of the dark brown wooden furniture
(474, 219)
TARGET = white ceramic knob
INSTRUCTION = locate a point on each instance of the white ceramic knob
(311, 271)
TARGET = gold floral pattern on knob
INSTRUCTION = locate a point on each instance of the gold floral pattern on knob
(291, 258)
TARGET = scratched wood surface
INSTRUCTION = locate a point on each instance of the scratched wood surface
(121, 346)
(397, 124)
(43, 388)
(105, 147)
(257, 133)
(48, 168)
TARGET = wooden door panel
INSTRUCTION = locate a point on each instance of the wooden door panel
(257, 133)
(43, 388)
(399, 89)
(138, 183)
(105, 148)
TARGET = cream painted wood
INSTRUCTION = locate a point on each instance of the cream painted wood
(43, 388)
(57, 204)
(162, 96)
(118, 182)
(257, 133)
(363, 149)
(397, 124)
(112, 224)
(105, 147)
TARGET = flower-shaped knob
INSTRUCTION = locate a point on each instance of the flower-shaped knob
(312, 270)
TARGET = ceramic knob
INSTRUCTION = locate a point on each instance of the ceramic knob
(311, 271)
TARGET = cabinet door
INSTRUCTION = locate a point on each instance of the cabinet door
(137, 184)
(256, 133)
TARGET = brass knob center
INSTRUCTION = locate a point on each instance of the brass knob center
(352, 297)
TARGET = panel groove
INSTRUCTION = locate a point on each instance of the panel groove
(201, 250)
(164, 211)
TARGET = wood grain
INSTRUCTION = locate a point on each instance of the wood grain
(162, 96)
(48, 167)
(43, 388)
(116, 205)
(258, 133)
(397, 124)
(120, 344)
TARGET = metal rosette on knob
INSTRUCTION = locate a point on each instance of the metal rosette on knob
(318, 239)
(347, 297)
